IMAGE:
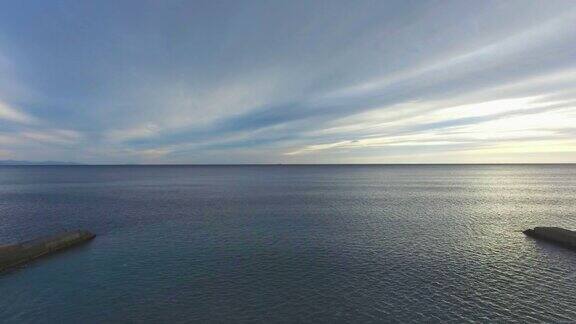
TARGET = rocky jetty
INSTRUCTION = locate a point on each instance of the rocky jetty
(13, 255)
(556, 235)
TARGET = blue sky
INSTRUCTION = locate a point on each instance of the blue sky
(288, 81)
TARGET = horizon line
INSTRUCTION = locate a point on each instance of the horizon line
(73, 164)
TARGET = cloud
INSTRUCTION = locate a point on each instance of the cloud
(58, 136)
(14, 115)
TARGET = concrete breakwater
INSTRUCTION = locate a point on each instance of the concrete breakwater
(13, 255)
(556, 235)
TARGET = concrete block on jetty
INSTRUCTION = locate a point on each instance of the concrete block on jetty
(17, 254)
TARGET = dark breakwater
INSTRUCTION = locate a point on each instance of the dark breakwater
(555, 235)
(17, 254)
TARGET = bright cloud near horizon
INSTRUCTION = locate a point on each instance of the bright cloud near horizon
(251, 81)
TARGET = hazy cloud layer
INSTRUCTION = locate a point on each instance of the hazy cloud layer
(288, 81)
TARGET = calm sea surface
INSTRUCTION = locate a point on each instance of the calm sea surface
(291, 244)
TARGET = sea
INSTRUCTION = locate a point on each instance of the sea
(291, 244)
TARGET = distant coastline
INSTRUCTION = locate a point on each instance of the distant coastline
(19, 162)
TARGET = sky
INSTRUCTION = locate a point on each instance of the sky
(319, 81)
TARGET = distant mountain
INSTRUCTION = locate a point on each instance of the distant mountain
(15, 162)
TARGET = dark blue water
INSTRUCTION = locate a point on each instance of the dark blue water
(291, 243)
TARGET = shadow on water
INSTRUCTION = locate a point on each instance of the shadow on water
(546, 247)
